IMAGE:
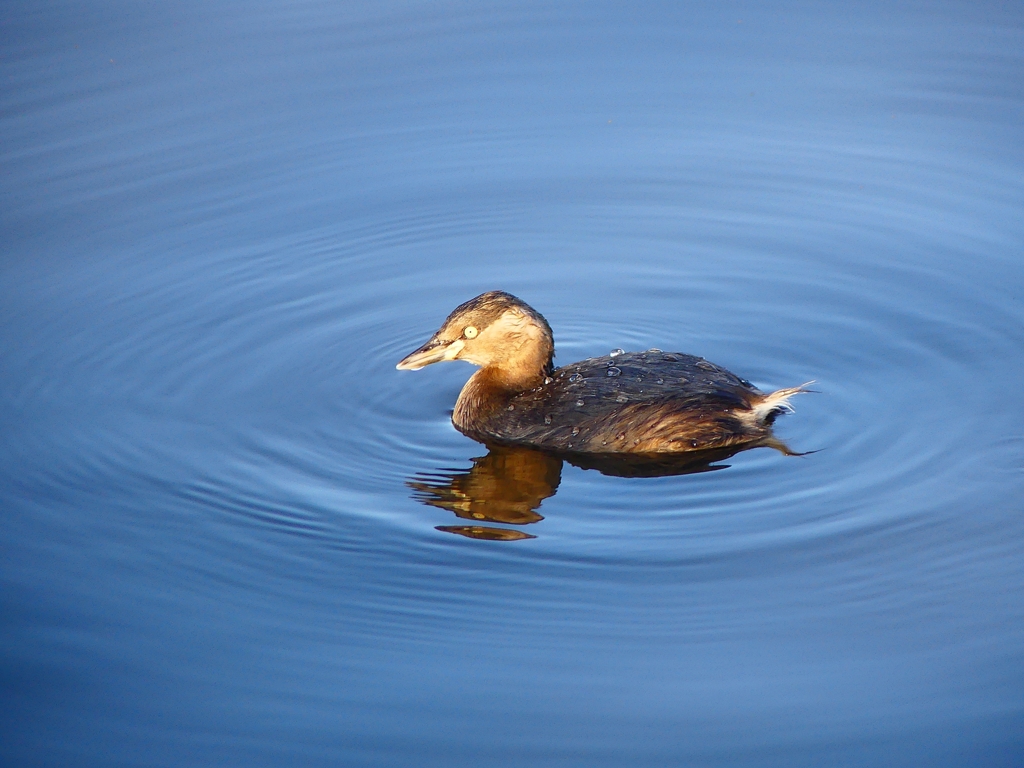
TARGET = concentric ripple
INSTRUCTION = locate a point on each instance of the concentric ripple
(295, 376)
(235, 532)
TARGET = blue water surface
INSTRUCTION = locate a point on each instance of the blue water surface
(224, 223)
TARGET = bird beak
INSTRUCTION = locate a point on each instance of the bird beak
(434, 351)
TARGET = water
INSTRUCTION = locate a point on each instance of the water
(223, 226)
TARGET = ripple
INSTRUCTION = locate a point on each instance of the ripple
(222, 230)
(298, 372)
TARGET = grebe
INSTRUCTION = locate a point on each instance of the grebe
(625, 402)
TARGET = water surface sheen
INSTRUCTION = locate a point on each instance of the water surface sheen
(228, 518)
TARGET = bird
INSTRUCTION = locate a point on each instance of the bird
(648, 402)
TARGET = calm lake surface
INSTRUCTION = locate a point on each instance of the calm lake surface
(227, 517)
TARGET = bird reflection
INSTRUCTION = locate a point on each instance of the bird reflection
(510, 483)
(505, 486)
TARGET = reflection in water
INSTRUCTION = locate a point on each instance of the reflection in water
(505, 486)
(486, 532)
(510, 482)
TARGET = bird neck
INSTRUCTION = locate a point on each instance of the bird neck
(490, 391)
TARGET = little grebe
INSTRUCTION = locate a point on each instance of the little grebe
(626, 402)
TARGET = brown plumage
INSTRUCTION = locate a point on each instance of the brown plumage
(637, 402)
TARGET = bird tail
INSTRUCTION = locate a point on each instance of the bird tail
(764, 411)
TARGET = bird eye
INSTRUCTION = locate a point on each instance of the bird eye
(470, 332)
